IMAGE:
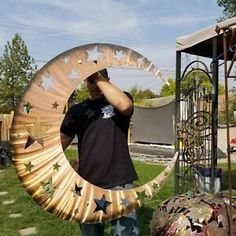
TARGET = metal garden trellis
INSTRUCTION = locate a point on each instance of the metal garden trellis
(217, 42)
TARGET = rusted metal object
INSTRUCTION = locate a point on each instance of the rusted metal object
(38, 156)
(229, 46)
(186, 215)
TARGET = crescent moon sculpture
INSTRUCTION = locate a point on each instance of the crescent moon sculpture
(38, 157)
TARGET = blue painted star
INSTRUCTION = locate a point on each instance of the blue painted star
(101, 204)
(47, 82)
(93, 54)
(74, 74)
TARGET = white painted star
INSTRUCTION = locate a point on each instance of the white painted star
(119, 55)
(74, 74)
(66, 60)
(47, 82)
(93, 54)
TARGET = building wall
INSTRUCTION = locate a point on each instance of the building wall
(153, 125)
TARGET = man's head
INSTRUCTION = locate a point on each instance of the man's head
(94, 91)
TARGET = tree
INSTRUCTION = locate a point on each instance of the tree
(232, 108)
(188, 83)
(221, 89)
(168, 88)
(140, 95)
(229, 8)
(81, 94)
(17, 68)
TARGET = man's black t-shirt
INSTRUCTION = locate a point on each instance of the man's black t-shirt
(104, 158)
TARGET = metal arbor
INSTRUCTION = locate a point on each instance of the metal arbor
(217, 42)
(195, 124)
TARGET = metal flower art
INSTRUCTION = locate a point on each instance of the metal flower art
(200, 215)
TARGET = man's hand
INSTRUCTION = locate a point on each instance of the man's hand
(116, 97)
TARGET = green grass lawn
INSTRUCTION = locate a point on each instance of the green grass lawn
(47, 224)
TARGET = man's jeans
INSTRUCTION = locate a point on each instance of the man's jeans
(124, 226)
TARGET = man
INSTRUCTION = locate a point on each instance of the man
(101, 124)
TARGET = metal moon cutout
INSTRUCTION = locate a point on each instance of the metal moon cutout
(35, 137)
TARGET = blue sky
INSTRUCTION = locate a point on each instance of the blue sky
(147, 26)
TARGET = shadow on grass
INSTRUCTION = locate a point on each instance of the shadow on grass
(225, 182)
(144, 215)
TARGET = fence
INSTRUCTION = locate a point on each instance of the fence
(5, 125)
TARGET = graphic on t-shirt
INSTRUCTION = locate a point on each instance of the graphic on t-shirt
(108, 112)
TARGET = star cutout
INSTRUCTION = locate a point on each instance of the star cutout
(124, 202)
(48, 188)
(119, 55)
(56, 167)
(166, 173)
(66, 60)
(93, 54)
(118, 228)
(135, 230)
(31, 140)
(140, 61)
(141, 195)
(78, 190)
(76, 211)
(156, 186)
(47, 82)
(29, 166)
(74, 74)
(27, 107)
(101, 204)
(55, 105)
